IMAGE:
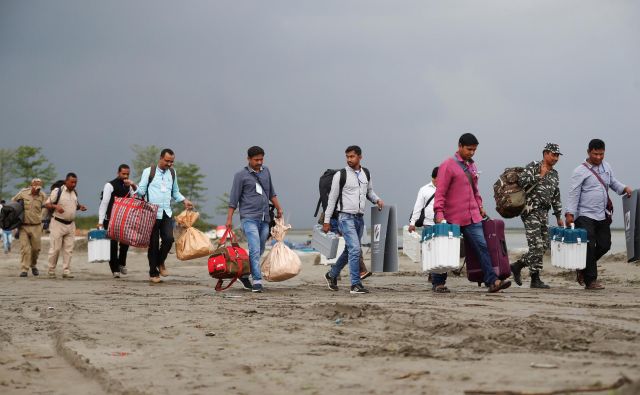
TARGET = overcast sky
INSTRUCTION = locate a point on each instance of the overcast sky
(304, 79)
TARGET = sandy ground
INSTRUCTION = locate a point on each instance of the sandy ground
(95, 335)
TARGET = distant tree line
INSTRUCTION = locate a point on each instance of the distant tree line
(20, 165)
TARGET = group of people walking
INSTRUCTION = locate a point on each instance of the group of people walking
(452, 196)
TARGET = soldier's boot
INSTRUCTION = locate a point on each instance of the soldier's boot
(516, 270)
(537, 283)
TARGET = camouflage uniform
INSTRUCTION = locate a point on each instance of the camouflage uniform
(545, 195)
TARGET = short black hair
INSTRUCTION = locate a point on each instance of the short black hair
(166, 151)
(123, 166)
(596, 144)
(71, 175)
(254, 151)
(353, 148)
(434, 172)
(468, 139)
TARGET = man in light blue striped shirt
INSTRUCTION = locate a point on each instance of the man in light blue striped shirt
(160, 185)
(589, 205)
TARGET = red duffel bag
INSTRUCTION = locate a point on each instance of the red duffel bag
(228, 261)
(132, 221)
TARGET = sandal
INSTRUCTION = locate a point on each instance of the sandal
(504, 284)
(441, 289)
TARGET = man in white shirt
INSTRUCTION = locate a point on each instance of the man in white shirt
(423, 209)
(121, 186)
(424, 204)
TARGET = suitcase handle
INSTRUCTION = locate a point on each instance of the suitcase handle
(503, 244)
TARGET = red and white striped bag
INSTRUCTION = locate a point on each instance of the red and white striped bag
(132, 221)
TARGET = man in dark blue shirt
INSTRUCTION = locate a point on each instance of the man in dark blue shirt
(252, 190)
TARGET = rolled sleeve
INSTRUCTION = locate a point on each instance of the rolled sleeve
(104, 204)
(333, 197)
(444, 179)
(616, 185)
(371, 195)
(575, 190)
(143, 185)
(236, 190)
(177, 196)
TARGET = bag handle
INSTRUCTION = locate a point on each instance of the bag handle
(218, 287)
(228, 233)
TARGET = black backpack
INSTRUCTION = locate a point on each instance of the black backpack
(324, 187)
(12, 215)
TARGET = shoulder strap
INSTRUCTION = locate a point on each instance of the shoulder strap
(173, 179)
(152, 174)
(466, 171)
(58, 195)
(366, 171)
(343, 181)
(597, 176)
(429, 201)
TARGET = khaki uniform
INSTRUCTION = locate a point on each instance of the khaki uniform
(62, 234)
(31, 228)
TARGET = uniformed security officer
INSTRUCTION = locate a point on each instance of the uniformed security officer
(64, 202)
(541, 181)
(31, 229)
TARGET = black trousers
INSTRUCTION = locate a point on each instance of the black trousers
(599, 234)
(157, 253)
(116, 260)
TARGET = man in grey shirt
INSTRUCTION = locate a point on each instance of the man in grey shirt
(349, 201)
(252, 190)
(590, 206)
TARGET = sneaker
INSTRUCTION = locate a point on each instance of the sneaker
(358, 289)
(163, 270)
(331, 281)
(256, 288)
(67, 274)
(23, 274)
(123, 270)
(116, 274)
(246, 284)
(35, 271)
(52, 274)
(155, 280)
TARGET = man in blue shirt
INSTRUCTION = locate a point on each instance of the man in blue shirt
(252, 190)
(160, 185)
(590, 207)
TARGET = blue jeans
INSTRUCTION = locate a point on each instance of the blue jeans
(333, 225)
(257, 233)
(6, 238)
(351, 227)
(475, 235)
